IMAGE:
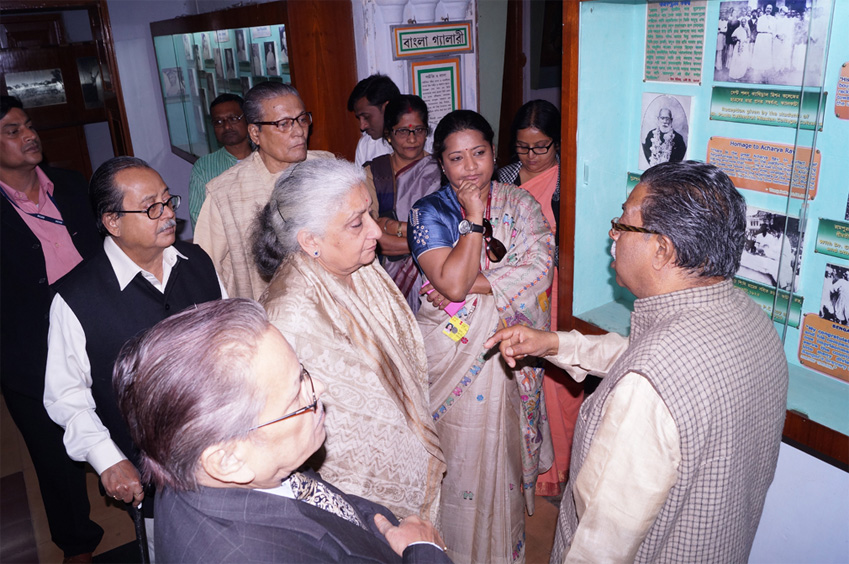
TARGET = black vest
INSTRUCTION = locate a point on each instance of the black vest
(110, 317)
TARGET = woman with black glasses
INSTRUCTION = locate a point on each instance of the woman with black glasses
(395, 182)
(485, 249)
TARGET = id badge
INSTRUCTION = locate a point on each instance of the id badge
(456, 328)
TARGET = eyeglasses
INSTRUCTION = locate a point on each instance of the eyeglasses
(495, 249)
(523, 150)
(285, 124)
(616, 226)
(304, 409)
(156, 210)
(232, 120)
(405, 132)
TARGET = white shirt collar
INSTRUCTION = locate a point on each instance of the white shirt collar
(125, 269)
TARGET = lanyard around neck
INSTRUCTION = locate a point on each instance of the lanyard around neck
(36, 215)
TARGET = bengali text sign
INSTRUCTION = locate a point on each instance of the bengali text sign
(434, 39)
(762, 106)
(438, 84)
(824, 346)
(833, 238)
(675, 41)
(766, 167)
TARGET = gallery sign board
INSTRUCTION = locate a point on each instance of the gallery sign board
(432, 39)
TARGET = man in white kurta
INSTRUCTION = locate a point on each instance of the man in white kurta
(675, 450)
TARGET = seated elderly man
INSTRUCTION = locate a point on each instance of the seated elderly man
(224, 416)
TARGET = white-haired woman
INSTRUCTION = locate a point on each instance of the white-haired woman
(352, 328)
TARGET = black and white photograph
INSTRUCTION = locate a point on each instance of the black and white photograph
(219, 66)
(37, 88)
(772, 254)
(91, 81)
(207, 48)
(256, 60)
(284, 49)
(270, 59)
(187, 46)
(172, 82)
(193, 82)
(665, 130)
(204, 103)
(229, 63)
(210, 85)
(766, 42)
(198, 59)
(246, 84)
(834, 305)
(241, 46)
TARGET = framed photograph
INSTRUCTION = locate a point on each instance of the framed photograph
(284, 50)
(37, 88)
(219, 67)
(205, 44)
(200, 120)
(230, 64)
(834, 305)
(193, 82)
(665, 131)
(270, 59)
(172, 82)
(210, 86)
(198, 60)
(246, 84)
(256, 60)
(241, 46)
(204, 103)
(91, 81)
(187, 46)
(771, 254)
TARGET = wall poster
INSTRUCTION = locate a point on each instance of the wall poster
(665, 131)
(766, 106)
(675, 41)
(766, 167)
(438, 84)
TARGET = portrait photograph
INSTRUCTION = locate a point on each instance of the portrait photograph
(229, 63)
(198, 59)
(770, 251)
(834, 305)
(284, 49)
(767, 43)
(270, 59)
(91, 81)
(241, 46)
(172, 82)
(246, 84)
(665, 130)
(256, 60)
(187, 46)
(207, 48)
(210, 85)
(219, 66)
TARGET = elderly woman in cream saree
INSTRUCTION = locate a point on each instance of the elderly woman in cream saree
(352, 328)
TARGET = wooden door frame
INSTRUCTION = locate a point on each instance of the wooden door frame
(101, 31)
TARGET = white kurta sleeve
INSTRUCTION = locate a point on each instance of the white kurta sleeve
(626, 477)
(580, 354)
(67, 391)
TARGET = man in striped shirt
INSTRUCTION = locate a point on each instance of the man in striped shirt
(231, 130)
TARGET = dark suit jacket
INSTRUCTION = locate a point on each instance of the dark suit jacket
(241, 525)
(24, 293)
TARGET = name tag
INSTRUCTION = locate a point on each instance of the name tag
(456, 328)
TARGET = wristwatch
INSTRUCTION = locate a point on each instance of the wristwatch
(467, 227)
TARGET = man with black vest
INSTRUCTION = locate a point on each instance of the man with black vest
(675, 450)
(46, 229)
(141, 276)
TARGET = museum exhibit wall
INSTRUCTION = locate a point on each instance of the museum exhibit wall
(610, 130)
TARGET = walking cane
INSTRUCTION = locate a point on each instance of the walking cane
(141, 535)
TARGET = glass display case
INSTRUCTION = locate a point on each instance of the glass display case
(754, 87)
(308, 43)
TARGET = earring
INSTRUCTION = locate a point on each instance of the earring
(316, 253)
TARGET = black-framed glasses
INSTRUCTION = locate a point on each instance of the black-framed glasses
(232, 120)
(303, 119)
(523, 150)
(616, 226)
(156, 210)
(297, 412)
(495, 249)
(406, 132)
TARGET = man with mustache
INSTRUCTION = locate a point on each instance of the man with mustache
(663, 143)
(46, 229)
(140, 276)
(279, 125)
(231, 131)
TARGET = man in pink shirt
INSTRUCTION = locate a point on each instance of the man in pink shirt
(46, 228)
